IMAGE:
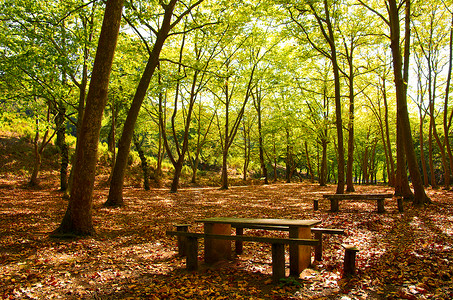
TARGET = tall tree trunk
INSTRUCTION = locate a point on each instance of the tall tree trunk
(391, 168)
(37, 159)
(289, 159)
(350, 161)
(62, 146)
(38, 149)
(422, 151)
(309, 167)
(323, 172)
(447, 123)
(144, 162)
(115, 197)
(247, 149)
(401, 88)
(338, 116)
(260, 136)
(78, 217)
(82, 86)
(432, 173)
(275, 158)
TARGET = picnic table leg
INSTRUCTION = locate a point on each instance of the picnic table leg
(238, 244)
(215, 249)
(318, 249)
(315, 204)
(192, 253)
(278, 262)
(380, 205)
(299, 256)
(182, 239)
(334, 207)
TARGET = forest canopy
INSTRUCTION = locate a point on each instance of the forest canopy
(256, 89)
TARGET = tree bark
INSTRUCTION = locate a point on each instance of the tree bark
(62, 146)
(78, 218)
(144, 165)
(391, 168)
(401, 88)
(115, 197)
(310, 169)
(422, 151)
(350, 161)
(261, 140)
(447, 123)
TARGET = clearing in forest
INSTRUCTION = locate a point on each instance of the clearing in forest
(403, 255)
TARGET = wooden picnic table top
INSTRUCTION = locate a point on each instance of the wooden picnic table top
(269, 222)
(358, 196)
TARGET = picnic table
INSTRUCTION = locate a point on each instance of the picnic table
(220, 249)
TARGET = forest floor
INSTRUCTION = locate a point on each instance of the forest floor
(402, 255)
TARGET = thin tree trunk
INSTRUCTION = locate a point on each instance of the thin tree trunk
(391, 169)
(62, 146)
(289, 158)
(309, 167)
(260, 136)
(115, 197)
(144, 162)
(422, 152)
(447, 90)
(433, 179)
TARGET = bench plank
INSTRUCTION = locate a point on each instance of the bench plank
(247, 238)
(357, 196)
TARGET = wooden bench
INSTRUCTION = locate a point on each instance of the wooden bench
(335, 198)
(318, 232)
(278, 248)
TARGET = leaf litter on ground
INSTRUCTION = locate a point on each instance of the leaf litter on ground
(402, 255)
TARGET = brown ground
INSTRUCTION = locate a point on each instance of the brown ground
(403, 256)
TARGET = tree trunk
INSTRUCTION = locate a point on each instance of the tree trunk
(195, 164)
(36, 165)
(260, 139)
(38, 150)
(350, 162)
(338, 122)
(323, 172)
(224, 177)
(422, 152)
(82, 86)
(115, 197)
(447, 91)
(309, 167)
(275, 159)
(247, 148)
(401, 88)
(391, 169)
(78, 217)
(177, 174)
(144, 162)
(289, 159)
(433, 179)
(62, 146)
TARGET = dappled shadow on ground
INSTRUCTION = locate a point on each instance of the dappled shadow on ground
(406, 255)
